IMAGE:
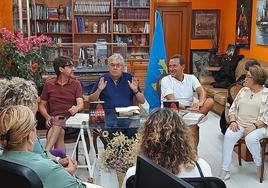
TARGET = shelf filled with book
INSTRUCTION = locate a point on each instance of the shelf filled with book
(131, 23)
(92, 20)
(54, 19)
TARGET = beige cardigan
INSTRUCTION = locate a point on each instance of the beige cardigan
(263, 113)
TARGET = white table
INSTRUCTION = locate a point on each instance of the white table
(80, 121)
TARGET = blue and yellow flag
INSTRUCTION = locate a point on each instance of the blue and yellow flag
(157, 64)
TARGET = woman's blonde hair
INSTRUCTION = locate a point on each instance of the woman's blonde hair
(168, 141)
(16, 124)
(19, 91)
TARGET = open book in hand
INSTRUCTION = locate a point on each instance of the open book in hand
(127, 111)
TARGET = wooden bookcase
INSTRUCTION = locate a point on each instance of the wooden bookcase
(85, 21)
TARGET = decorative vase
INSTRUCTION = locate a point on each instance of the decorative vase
(120, 177)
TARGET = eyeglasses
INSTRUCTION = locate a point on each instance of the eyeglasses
(68, 65)
(117, 66)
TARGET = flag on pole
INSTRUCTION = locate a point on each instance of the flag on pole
(157, 64)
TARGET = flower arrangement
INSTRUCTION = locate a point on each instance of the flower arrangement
(21, 56)
(120, 153)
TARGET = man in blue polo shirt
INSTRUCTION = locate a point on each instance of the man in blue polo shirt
(116, 88)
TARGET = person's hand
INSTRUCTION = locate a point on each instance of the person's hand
(234, 127)
(64, 162)
(133, 84)
(102, 84)
(194, 107)
(72, 166)
(73, 110)
(248, 130)
(49, 122)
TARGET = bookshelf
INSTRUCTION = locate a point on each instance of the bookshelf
(87, 21)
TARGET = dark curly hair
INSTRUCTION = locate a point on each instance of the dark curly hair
(167, 140)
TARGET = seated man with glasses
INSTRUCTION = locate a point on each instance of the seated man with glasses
(117, 88)
(61, 98)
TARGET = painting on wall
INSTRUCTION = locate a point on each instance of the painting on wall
(262, 22)
(199, 60)
(243, 23)
(205, 24)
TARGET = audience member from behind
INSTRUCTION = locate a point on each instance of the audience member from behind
(61, 98)
(166, 140)
(251, 124)
(181, 87)
(19, 91)
(17, 135)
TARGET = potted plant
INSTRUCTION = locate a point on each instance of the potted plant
(22, 57)
(120, 154)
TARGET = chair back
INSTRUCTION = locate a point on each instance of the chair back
(205, 182)
(18, 176)
(233, 91)
(158, 84)
(130, 183)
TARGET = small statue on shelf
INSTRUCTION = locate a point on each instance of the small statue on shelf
(87, 25)
(60, 11)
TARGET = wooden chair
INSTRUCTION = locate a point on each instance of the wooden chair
(232, 92)
(263, 142)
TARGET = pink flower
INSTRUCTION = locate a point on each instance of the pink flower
(22, 55)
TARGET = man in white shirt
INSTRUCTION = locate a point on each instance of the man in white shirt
(181, 87)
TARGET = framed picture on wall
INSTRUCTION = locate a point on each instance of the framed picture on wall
(261, 22)
(243, 23)
(199, 59)
(205, 24)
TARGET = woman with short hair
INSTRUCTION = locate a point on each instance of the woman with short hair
(248, 117)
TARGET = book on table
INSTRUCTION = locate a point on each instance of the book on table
(173, 104)
(96, 112)
(127, 111)
(192, 117)
(77, 120)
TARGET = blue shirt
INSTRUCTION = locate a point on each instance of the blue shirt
(117, 94)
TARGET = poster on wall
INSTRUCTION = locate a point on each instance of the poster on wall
(199, 60)
(243, 23)
(205, 24)
(262, 22)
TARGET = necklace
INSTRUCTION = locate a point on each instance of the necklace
(253, 93)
